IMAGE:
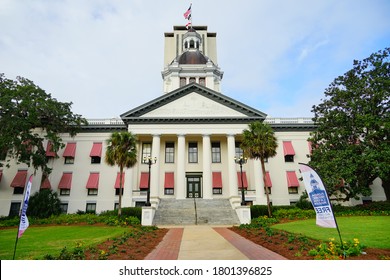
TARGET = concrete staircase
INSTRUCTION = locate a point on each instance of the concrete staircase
(195, 212)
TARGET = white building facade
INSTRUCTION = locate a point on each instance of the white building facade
(194, 133)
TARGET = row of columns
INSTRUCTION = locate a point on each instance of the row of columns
(180, 184)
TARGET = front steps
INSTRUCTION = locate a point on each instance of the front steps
(196, 211)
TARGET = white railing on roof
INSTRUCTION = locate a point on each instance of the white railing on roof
(115, 121)
(289, 120)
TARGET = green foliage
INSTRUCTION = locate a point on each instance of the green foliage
(351, 142)
(304, 202)
(259, 142)
(260, 222)
(77, 253)
(25, 108)
(121, 151)
(44, 204)
(294, 213)
(127, 211)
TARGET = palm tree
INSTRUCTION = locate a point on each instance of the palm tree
(121, 151)
(259, 142)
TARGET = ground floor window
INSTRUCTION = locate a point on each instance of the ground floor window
(91, 208)
(64, 208)
(293, 190)
(140, 203)
(117, 191)
(169, 191)
(217, 191)
(14, 209)
(269, 190)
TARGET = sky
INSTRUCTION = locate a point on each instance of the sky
(106, 56)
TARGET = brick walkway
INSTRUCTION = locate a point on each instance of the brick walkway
(169, 247)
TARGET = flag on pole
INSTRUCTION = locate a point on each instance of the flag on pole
(318, 197)
(187, 14)
(23, 217)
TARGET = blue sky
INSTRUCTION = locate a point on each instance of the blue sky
(106, 56)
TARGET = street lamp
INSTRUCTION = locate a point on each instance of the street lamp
(148, 160)
(241, 160)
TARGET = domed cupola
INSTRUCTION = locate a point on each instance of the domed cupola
(191, 40)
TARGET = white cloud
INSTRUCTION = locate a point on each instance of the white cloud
(106, 56)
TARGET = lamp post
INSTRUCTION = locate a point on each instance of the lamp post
(148, 160)
(241, 160)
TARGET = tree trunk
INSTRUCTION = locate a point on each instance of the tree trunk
(120, 191)
(266, 189)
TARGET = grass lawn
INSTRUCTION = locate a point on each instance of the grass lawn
(39, 241)
(372, 231)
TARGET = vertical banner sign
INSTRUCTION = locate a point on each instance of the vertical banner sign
(318, 197)
(23, 217)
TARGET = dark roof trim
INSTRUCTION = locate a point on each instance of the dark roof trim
(187, 89)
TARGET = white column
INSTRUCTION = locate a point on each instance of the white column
(207, 184)
(232, 183)
(180, 183)
(155, 168)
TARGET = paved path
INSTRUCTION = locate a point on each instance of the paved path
(208, 243)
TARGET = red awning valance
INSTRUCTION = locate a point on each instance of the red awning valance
(243, 179)
(217, 180)
(19, 180)
(93, 181)
(288, 148)
(66, 181)
(292, 180)
(169, 182)
(143, 183)
(45, 183)
(96, 150)
(70, 150)
(49, 150)
(117, 181)
(268, 182)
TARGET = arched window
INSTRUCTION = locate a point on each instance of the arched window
(192, 44)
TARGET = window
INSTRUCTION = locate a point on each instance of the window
(169, 191)
(116, 205)
(192, 80)
(14, 209)
(216, 152)
(289, 158)
(288, 150)
(117, 191)
(18, 190)
(64, 191)
(146, 150)
(239, 152)
(64, 208)
(292, 190)
(217, 191)
(202, 81)
(92, 191)
(193, 152)
(69, 160)
(96, 160)
(183, 82)
(96, 153)
(169, 152)
(91, 208)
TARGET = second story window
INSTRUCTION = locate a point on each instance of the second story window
(146, 150)
(193, 152)
(215, 152)
(239, 152)
(169, 152)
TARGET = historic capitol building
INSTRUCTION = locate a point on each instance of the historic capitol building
(193, 131)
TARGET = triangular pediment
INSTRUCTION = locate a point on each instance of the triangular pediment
(193, 103)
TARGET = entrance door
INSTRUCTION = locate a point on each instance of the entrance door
(194, 187)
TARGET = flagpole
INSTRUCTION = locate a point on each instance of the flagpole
(22, 211)
(331, 207)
